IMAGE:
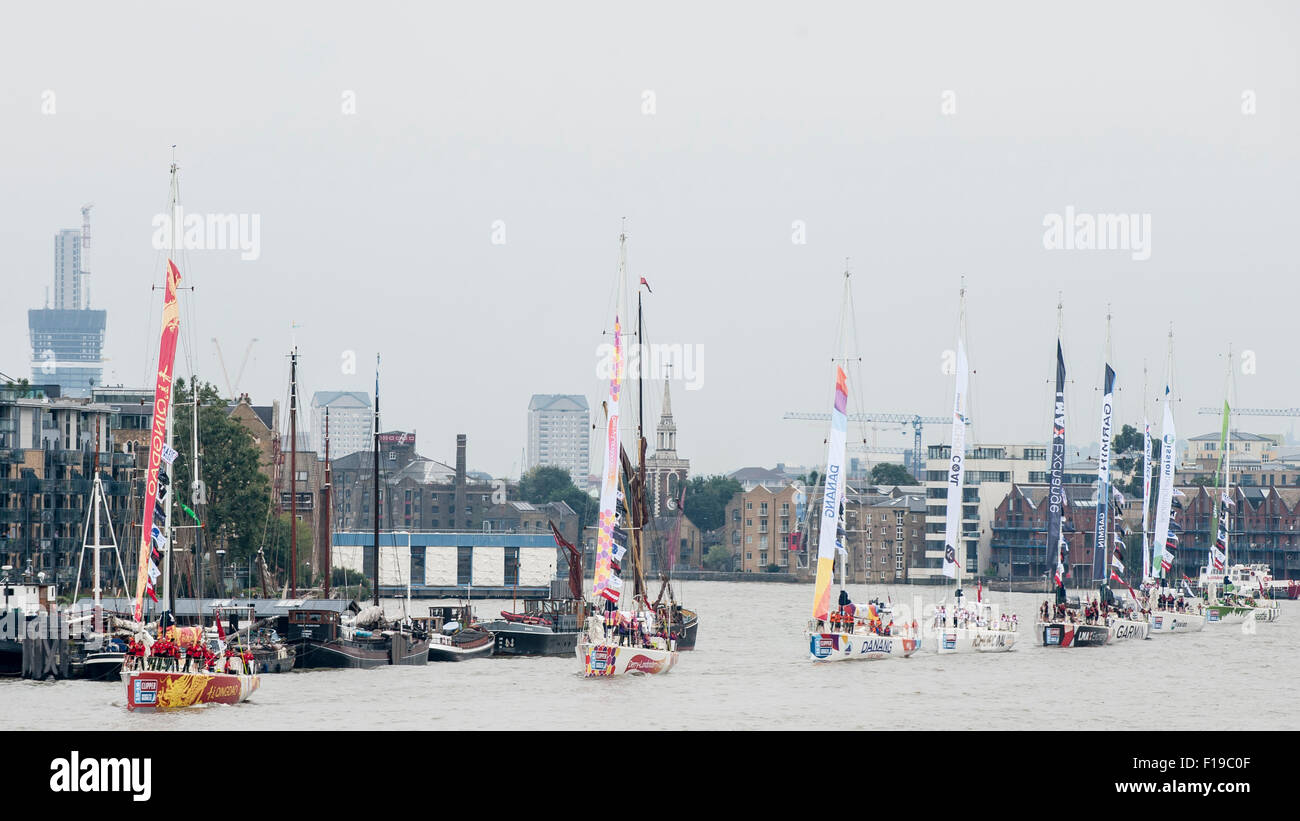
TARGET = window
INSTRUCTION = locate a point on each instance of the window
(785, 508)
(762, 509)
(464, 565)
(512, 566)
(749, 505)
(301, 476)
(899, 534)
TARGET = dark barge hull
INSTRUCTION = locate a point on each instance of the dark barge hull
(344, 654)
(532, 640)
(686, 641)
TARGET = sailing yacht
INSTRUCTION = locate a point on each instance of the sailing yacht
(101, 653)
(1123, 619)
(171, 670)
(1167, 614)
(620, 641)
(1063, 622)
(845, 632)
(979, 627)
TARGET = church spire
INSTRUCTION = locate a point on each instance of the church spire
(667, 430)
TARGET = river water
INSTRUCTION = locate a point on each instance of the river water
(751, 671)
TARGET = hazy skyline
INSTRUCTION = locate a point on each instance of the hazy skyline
(922, 143)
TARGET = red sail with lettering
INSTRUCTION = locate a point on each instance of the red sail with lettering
(153, 540)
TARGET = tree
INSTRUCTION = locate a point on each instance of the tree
(1126, 459)
(707, 498)
(547, 483)
(235, 496)
(887, 473)
(718, 558)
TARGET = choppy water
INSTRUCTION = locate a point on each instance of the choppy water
(751, 671)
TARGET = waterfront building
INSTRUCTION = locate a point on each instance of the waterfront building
(559, 434)
(67, 337)
(49, 448)
(990, 472)
(351, 422)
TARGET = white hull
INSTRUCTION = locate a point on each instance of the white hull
(845, 646)
(948, 640)
(1267, 614)
(1217, 614)
(1127, 629)
(602, 660)
(1165, 622)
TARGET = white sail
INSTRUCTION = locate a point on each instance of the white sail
(952, 540)
(1168, 443)
(1146, 498)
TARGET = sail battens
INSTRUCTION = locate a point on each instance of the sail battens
(157, 477)
(833, 497)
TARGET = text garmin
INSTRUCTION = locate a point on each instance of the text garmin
(127, 775)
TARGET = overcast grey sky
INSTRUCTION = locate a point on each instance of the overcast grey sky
(376, 227)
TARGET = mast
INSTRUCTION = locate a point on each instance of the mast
(1164, 502)
(293, 475)
(956, 457)
(606, 583)
(639, 502)
(1102, 531)
(194, 445)
(828, 530)
(1056, 467)
(376, 490)
(96, 494)
(169, 591)
(329, 511)
(1146, 479)
(1217, 558)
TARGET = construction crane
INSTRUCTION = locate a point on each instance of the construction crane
(1253, 411)
(917, 422)
(85, 243)
(220, 359)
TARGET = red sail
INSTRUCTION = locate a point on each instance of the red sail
(152, 539)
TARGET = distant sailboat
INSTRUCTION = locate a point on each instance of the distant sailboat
(1166, 614)
(844, 632)
(968, 628)
(1061, 622)
(619, 641)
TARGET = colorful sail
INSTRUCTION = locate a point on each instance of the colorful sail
(1219, 550)
(1165, 538)
(1146, 498)
(1103, 481)
(1056, 475)
(605, 581)
(157, 482)
(956, 469)
(833, 497)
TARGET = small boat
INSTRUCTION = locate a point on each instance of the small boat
(550, 627)
(453, 635)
